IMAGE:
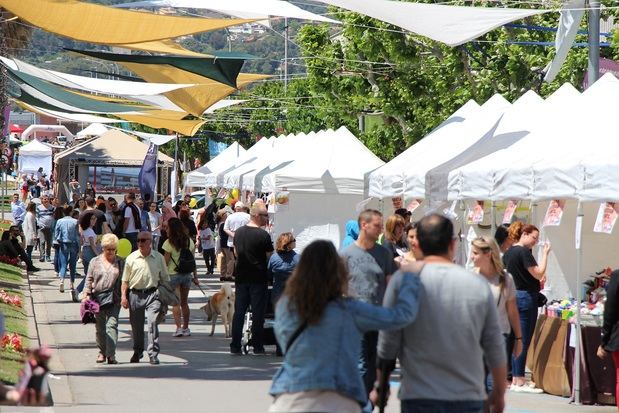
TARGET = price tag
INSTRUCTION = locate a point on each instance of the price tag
(578, 231)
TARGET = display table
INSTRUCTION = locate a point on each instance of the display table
(551, 360)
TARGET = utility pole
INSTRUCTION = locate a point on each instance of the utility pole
(593, 71)
(285, 56)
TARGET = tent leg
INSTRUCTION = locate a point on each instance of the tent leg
(578, 236)
(493, 218)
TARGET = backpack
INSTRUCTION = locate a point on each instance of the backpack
(186, 261)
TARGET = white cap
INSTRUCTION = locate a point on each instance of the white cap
(239, 205)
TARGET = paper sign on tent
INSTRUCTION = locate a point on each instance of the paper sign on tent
(606, 218)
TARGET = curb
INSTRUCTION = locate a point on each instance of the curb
(38, 322)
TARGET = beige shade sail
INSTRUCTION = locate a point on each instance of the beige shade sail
(183, 127)
(194, 99)
(167, 46)
(106, 25)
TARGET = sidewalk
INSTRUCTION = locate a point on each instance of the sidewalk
(196, 373)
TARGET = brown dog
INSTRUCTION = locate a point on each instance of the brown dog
(221, 303)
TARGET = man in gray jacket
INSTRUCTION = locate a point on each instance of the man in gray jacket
(442, 352)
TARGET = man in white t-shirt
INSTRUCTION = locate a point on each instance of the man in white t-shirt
(132, 221)
(235, 221)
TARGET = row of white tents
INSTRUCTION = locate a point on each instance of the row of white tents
(534, 150)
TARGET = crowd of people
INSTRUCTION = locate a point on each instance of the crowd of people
(392, 291)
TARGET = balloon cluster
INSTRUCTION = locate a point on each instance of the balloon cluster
(233, 197)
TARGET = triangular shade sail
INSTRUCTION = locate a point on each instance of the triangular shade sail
(167, 46)
(262, 9)
(195, 99)
(106, 25)
(80, 103)
(184, 127)
(223, 68)
(71, 117)
(90, 84)
(452, 25)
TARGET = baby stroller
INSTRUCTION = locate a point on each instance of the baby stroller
(268, 332)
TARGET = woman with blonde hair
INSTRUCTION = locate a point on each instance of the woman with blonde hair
(486, 257)
(527, 274)
(393, 239)
(315, 321)
(103, 286)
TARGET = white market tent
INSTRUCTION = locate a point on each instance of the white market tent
(33, 156)
(94, 129)
(228, 157)
(326, 169)
(388, 180)
(261, 148)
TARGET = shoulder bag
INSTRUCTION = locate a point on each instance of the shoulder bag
(167, 295)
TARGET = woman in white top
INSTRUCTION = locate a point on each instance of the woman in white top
(90, 249)
(486, 257)
(155, 223)
(30, 228)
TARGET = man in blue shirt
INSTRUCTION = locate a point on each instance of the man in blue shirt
(18, 209)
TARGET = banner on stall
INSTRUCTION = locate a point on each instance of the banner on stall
(413, 205)
(554, 213)
(147, 178)
(606, 218)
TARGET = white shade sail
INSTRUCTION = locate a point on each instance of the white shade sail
(90, 84)
(452, 25)
(247, 9)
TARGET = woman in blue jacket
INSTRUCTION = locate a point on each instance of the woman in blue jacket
(320, 330)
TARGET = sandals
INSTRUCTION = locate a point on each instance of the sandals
(100, 358)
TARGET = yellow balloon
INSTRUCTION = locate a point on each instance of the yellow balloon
(124, 248)
(193, 203)
(235, 193)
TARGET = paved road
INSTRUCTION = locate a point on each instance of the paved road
(196, 373)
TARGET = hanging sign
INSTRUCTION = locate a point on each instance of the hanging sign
(554, 213)
(510, 209)
(476, 214)
(606, 218)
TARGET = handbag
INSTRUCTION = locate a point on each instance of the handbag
(541, 299)
(167, 295)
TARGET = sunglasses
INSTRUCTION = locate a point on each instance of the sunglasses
(109, 249)
(144, 239)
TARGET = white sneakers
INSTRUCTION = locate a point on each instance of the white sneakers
(527, 388)
(182, 332)
(61, 289)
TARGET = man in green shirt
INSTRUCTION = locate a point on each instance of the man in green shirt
(144, 269)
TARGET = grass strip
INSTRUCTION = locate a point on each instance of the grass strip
(15, 321)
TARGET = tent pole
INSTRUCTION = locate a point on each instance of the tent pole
(174, 183)
(285, 55)
(493, 218)
(579, 219)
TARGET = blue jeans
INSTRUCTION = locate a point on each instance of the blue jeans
(56, 258)
(441, 406)
(132, 237)
(246, 294)
(87, 255)
(68, 258)
(367, 359)
(527, 309)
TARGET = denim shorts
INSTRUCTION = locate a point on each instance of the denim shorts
(182, 280)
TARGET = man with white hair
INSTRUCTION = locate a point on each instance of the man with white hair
(234, 221)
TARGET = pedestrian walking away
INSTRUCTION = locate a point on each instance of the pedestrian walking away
(45, 218)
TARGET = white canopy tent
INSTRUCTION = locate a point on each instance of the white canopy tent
(310, 172)
(260, 148)
(388, 180)
(227, 158)
(33, 129)
(94, 129)
(35, 155)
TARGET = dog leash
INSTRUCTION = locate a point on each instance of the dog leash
(198, 285)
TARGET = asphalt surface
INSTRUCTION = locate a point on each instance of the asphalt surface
(196, 373)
